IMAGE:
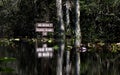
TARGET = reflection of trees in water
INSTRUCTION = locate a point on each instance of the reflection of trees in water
(29, 64)
(100, 64)
(26, 59)
(7, 61)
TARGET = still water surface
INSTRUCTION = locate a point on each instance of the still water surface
(27, 62)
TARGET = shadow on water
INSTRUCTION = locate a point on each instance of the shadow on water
(100, 63)
(27, 62)
(30, 64)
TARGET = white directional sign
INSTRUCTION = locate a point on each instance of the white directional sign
(44, 28)
(44, 25)
(45, 51)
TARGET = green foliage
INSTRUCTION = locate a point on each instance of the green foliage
(3, 61)
(5, 42)
(50, 41)
(115, 47)
(56, 47)
(6, 59)
(6, 69)
(99, 20)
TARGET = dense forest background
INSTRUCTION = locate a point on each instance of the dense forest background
(98, 26)
(99, 20)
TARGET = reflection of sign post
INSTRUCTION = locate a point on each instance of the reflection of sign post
(45, 51)
(44, 28)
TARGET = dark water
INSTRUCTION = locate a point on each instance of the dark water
(27, 62)
(100, 63)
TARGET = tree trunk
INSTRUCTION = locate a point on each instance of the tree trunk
(62, 37)
(77, 36)
(67, 26)
(67, 62)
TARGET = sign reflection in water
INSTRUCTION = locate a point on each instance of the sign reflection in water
(45, 51)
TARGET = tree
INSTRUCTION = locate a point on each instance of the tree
(77, 37)
(61, 35)
(67, 31)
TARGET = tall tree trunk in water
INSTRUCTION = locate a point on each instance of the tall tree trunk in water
(77, 36)
(67, 26)
(62, 36)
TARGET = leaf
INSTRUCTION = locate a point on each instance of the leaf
(6, 59)
(50, 41)
(56, 47)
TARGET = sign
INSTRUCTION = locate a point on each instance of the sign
(44, 28)
(44, 25)
(44, 51)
